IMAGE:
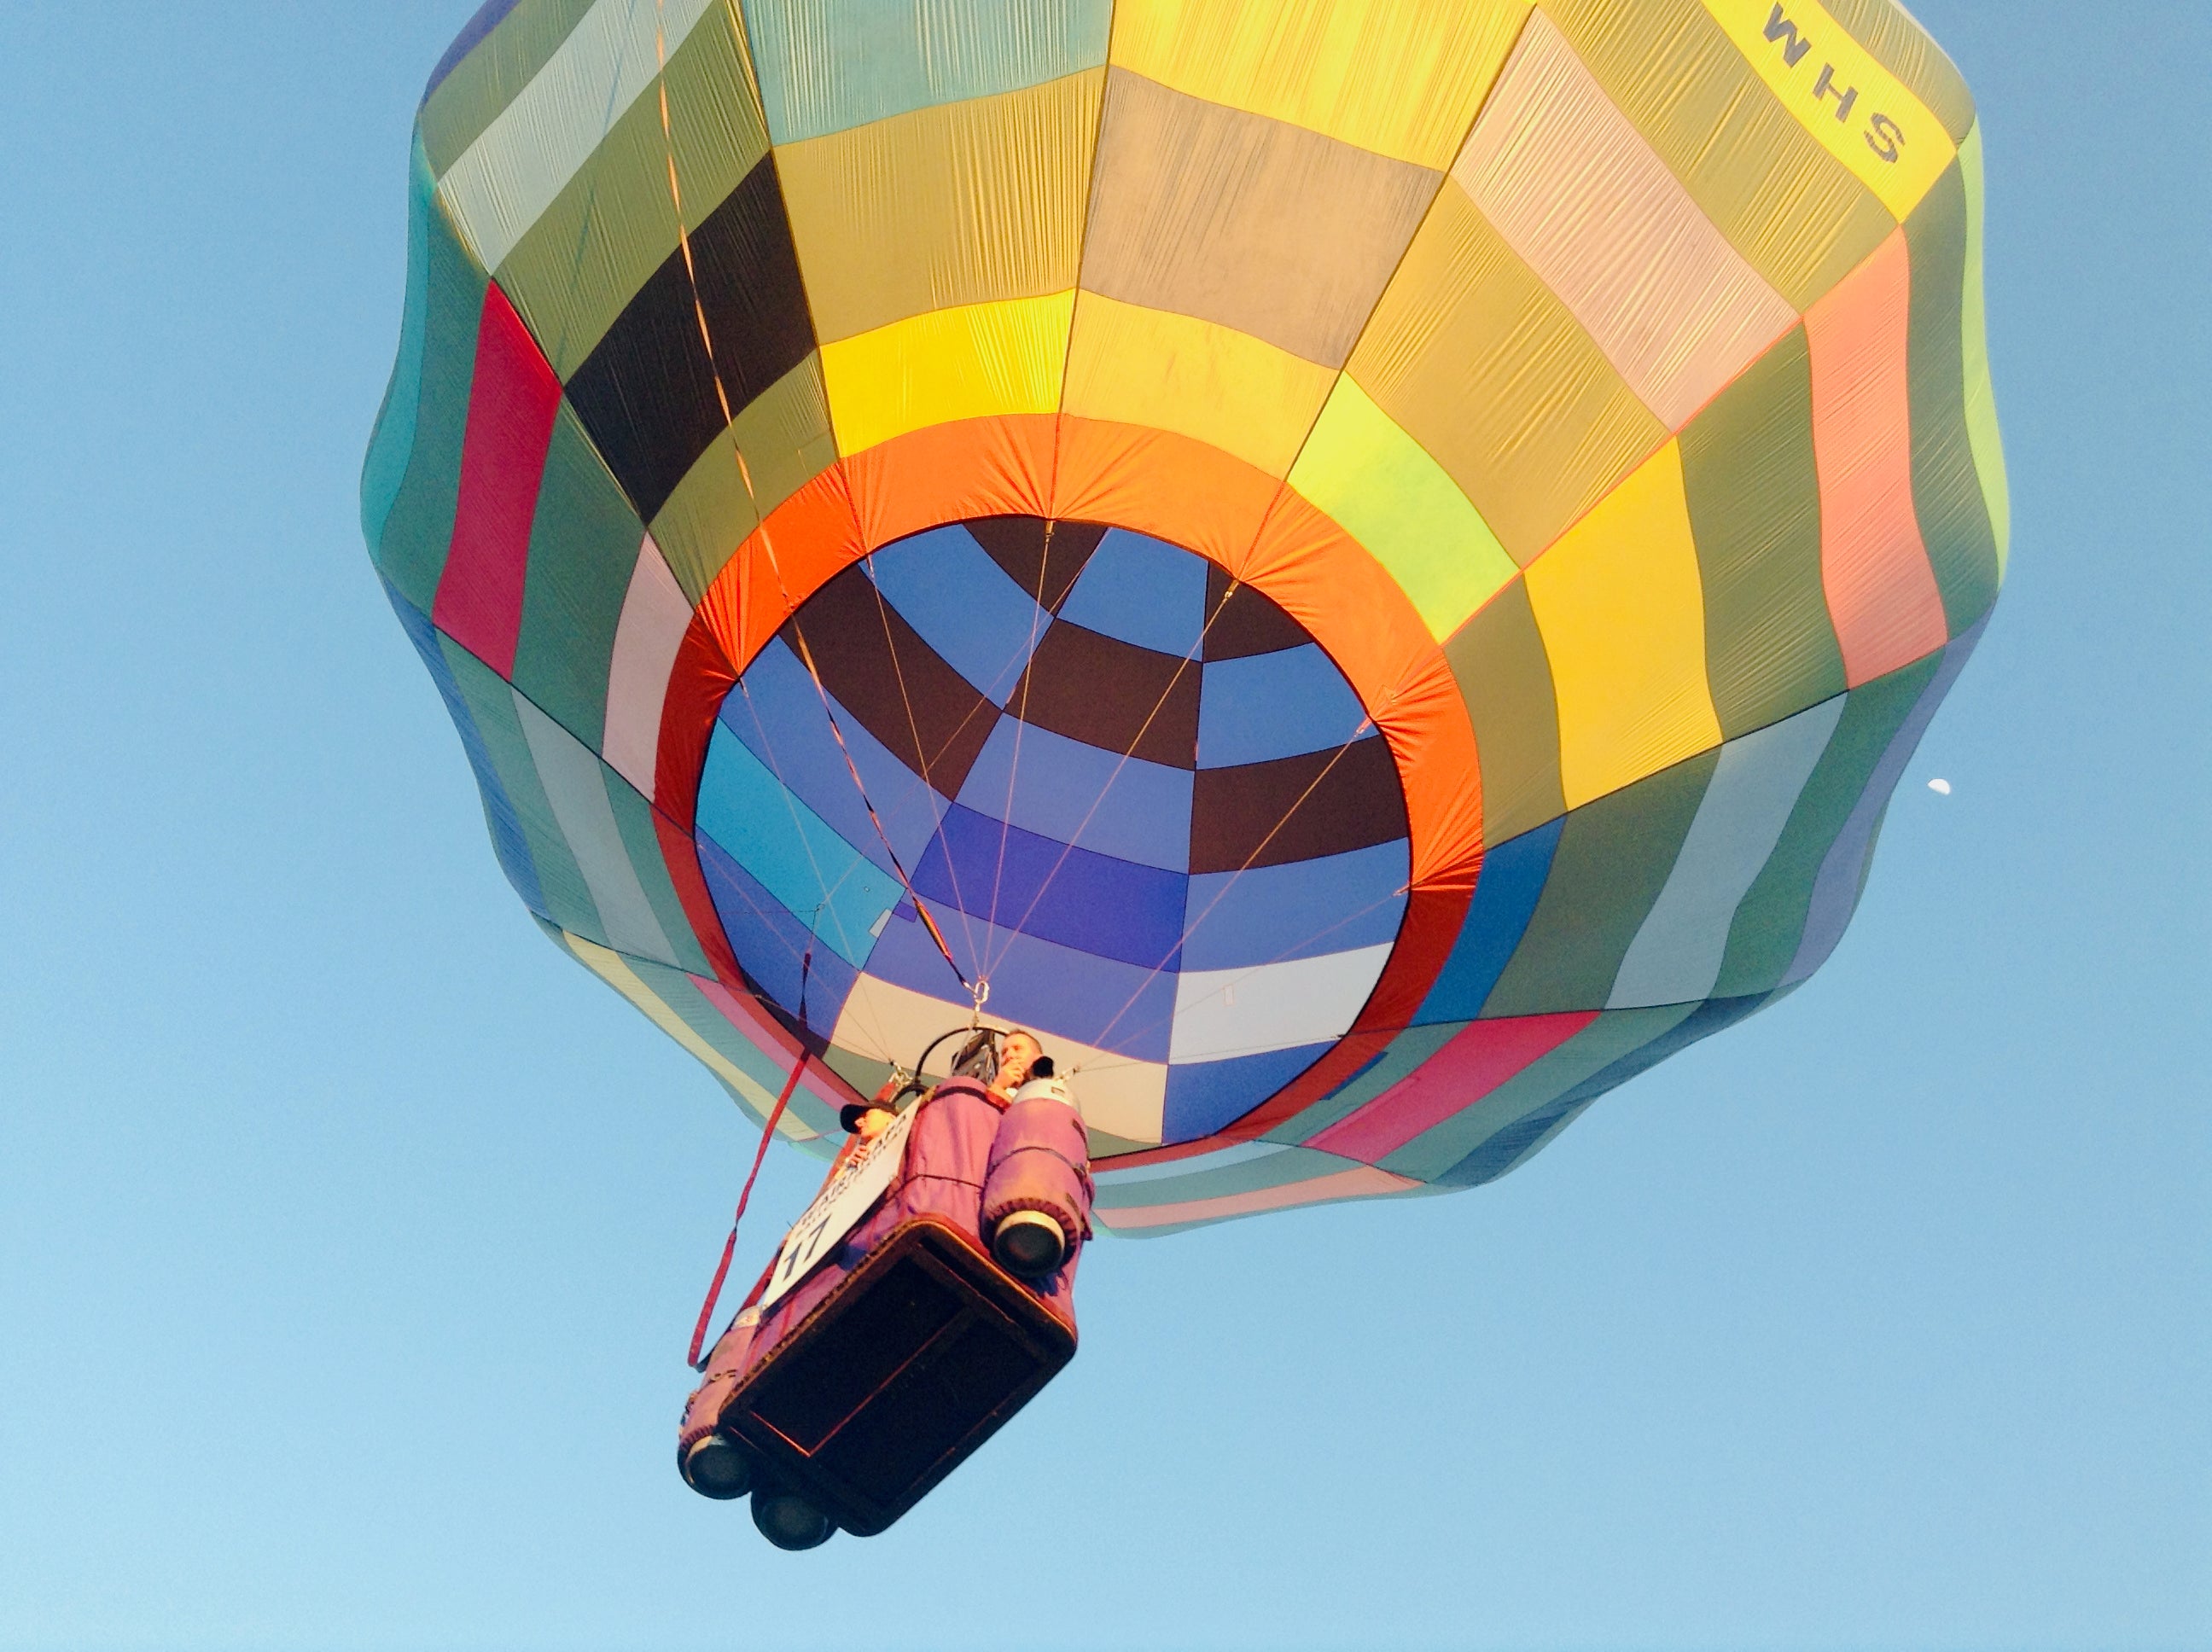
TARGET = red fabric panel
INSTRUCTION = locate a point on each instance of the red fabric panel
(1881, 593)
(681, 853)
(512, 397)
(697, 684)
(1484, 1055)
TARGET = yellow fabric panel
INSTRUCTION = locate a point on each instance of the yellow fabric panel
(1886, 29)
(1197, 379)
(1478, 362)
(785, 434)
(1401, 77)
(967, 362)
(1622, 611)
(1981, 395)
(1798, 215)
(959, 203)
(609, 967)
(613, 222)
(1839, 92)
(1382, 488)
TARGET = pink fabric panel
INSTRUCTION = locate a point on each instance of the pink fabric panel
(655, 615)
(1881, 593)
(513, 397)
(1577, 191)
(1360, 1181)
(1481, 1057)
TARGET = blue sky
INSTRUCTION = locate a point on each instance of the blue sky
(349, 1235)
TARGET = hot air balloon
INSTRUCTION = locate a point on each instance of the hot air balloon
(1367, 569)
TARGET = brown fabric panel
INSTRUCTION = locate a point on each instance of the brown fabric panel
(1505, 678)
(1248, 223)
(955, 204)
(1296, 808)
(1477, 360)
(1041, 557)
(1111, 694)
(902, 690)
(1241, 620)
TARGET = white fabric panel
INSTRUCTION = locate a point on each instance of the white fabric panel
(1276, 1006)
(655, 615)
(572, 776)
(1676, 956)
(505, 180)
(1113, 1093)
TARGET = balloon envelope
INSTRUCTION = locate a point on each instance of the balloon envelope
(1367, 570)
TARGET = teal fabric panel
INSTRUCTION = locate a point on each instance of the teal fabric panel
(1614, 856)
(1264, 1166)
(634, 818)
(575, 785)
(565, 897)
(1769, 923)
(1406, 1051)
(583, 548)
(1614, 1034)
(412, 479)
(385, 466)
(827, 64)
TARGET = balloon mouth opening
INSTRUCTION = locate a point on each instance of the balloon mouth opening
(1083, 767)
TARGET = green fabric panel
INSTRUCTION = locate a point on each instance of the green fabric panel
(1754, 498)
(1614, 1034)
(1947, 487)
(829, 65)
(614, 223)
(410, 549)
(785, 432)
(485, 82)
(385, 466)
(1505, 676)
(583, 548)
(1406, 1052)
(1981, 395)
(1275, 1169)
(1614, 857)
(634, 819)
(491, 706)
(1899, 44)
(1771, 919)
